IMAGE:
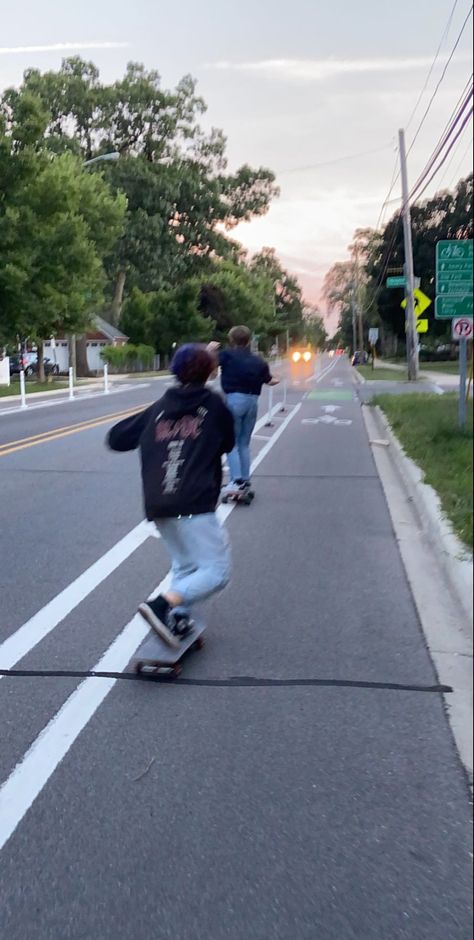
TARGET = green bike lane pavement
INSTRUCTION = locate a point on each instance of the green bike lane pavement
(333, 808)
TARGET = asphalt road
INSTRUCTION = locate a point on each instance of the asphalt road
(299, 781)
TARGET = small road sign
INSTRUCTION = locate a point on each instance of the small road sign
(462, 328)
(395, 281)
(422, 302)
(422, 326)
(373, 335)
(448, 307)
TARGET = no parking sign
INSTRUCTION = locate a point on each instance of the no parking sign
(462, 328)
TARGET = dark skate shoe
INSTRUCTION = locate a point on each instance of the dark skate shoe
(179, 621)
(154, 615)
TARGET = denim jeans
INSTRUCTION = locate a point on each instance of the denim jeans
(244, 409)
(198, 547)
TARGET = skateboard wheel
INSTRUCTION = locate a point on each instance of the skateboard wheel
(176, 671)
(199, 643)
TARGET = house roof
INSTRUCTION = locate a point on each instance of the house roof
(111, 332)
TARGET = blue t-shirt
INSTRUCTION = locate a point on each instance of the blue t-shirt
(243, 371)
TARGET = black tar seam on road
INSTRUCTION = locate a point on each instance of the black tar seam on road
(231, 682)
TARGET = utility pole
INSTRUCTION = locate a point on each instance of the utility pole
(354, 322)
(412, 337)
(358, 313)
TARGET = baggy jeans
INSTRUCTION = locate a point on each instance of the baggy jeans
(244, 409)
(198, 547)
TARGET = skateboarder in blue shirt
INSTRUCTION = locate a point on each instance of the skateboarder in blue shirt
(182, 439)
(242, 376)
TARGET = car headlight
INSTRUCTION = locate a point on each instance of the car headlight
(296, 356)
(307, 356)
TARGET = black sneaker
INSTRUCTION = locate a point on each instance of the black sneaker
(152, 611)
(179, 622)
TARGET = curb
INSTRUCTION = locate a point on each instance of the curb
(358, 377)
(455, 559)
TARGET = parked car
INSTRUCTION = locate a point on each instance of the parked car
(29, 363)
(359, 358)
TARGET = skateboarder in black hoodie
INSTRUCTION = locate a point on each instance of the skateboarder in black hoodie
(182, 438)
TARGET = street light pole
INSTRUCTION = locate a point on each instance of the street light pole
(103, 158)
(412, 345)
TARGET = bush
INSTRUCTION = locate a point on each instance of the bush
(128, 357)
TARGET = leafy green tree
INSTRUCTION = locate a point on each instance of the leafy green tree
(180, 199)
(286, 295)
(54, 232)
(164, 319)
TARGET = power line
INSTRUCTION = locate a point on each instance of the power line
(444, 140)
(451, 161)
(396, 173)
(458, 170)
(315, 166)
(445, 156)
(443, 73)
(395, 176)
(443, 37)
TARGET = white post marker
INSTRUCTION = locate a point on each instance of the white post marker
(269, 422)
(106, 379)
(283, 404)
(22, 389)
(71, 382)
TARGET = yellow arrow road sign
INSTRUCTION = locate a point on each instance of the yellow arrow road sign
(422, 302)
(422, 326)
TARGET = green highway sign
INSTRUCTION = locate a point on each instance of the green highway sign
(396, 281)
(454, 267)
(448, 307)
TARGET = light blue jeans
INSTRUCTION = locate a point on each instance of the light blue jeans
(244, 409)
(198, 547)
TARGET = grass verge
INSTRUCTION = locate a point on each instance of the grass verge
(14, 388)
(452, 367)
(379, 374)
(427, 428)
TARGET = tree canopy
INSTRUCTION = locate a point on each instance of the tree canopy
(151, 228)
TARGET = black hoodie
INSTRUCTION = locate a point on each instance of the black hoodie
(182, 438)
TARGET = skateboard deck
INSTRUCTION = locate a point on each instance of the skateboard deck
(154, 657)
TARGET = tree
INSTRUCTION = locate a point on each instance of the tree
(315, 330)
(286, 294)
(166, 318)
(54, 232)
(173, 173)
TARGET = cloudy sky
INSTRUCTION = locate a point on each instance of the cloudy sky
(314, 89)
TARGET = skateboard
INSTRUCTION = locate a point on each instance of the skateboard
(239, 496)
(154, 657)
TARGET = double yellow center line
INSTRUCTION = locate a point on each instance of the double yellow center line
(11, 447)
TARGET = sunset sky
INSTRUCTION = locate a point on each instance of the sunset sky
(315, 90)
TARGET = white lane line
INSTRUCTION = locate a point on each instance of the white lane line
(20, 643)
(31, 774)
(322, 374)
(45, 620)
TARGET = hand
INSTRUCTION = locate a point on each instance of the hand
(275, 380)
(213, 346)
